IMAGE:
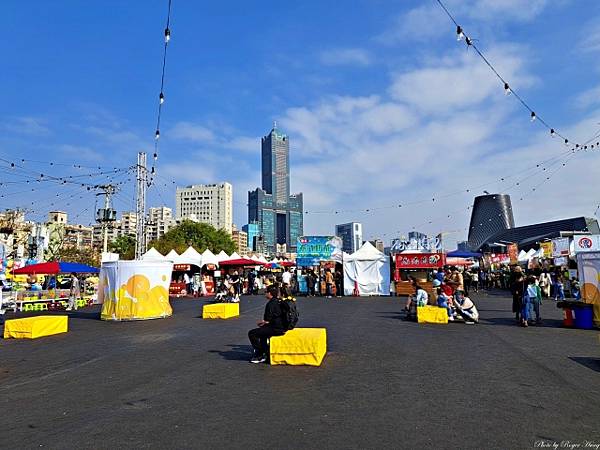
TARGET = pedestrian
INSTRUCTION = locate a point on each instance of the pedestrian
(475, 281)
(74, 293)
(545, 283)
(251, 280)
(338, 284)
(559, 288)
(188, 283)
(518, 291)
(329, 282)
(310, 283)
(271, 325)
(457, 282)
(286, 278)
(236, 283)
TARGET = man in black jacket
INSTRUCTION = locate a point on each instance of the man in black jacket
(271, 325)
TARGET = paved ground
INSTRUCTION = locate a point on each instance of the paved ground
(185, 382)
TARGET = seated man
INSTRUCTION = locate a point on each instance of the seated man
(419, 299)
(467, 310)
(271, 325)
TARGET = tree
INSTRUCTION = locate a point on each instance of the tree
(80, 255)
(199, 235)
(124, 246)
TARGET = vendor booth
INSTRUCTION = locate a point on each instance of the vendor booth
(419, 266)
(135, 290)
(367, 272)
(189, 262)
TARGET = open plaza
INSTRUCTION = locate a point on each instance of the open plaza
(185, 382)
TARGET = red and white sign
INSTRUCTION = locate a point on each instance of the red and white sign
(560, 247)
(420, 260)
(586, 243)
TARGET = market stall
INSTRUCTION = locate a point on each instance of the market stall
(367, 272)
(419, 266)
(188, 263)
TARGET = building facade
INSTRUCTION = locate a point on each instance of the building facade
(240, 239)
(279, 215)
(351, 234)
(207, 203)
(491, 214)
(252, 232)
(160, 220)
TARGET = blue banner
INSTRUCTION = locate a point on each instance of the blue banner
(314, 249)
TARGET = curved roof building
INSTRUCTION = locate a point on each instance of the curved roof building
(491, 214)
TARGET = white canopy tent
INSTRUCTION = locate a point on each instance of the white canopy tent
(190, 256)
(368, 270)
(153, 255)
(222, 256)
(172, 255)
(209, 257)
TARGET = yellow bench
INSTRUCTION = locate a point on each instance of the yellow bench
(220, 311)
(35, 327)
(432, 314)
(298, 347)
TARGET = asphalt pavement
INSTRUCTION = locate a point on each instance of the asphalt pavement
(185, 382)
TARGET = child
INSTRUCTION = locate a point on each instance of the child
(575, 290)
(536, 301)
(443, 301)
(527, 305)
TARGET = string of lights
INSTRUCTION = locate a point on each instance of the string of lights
(508, 88)
(161, 95)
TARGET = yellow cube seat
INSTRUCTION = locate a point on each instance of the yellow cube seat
(299, 347)
(220, 311)
(432, 314)
(35, 327)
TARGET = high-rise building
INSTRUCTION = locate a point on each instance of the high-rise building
(351, 234)
(278, 214)
(491, 214)
(208, 203)
(252, 233)
(160, 220)
(128, 223)
(240, 239)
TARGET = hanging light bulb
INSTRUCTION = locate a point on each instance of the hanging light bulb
(468, 40)
(167, 35)
(507, 90)
(161, 98)
(157, 134)
(459, 33)
(532, 116)
(566, 142)
(155, 156)
(552, 132)
(152, 171)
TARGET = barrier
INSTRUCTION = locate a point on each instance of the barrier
(300, 346)
(220, 310)
(35, 327)
(432, 314)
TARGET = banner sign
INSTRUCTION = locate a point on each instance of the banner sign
(560, 247)
(420, 260)
(499, 258)
(547, 247)
(314, 249)
(431, 244)
(561, 261)
(513, 253)
(181, 268)
(586, 243)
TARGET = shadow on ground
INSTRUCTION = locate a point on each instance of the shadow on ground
(237, 352)
(590, 363)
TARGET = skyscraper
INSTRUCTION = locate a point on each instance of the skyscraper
(351, 234)
(278, 213)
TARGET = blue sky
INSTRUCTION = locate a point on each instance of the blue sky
(381, 104)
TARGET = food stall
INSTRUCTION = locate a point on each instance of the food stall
(419, 266)
(321, 253)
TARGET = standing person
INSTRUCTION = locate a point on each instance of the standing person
(74, 293)
(188, 283)
(251, 280)
(559, 287)
(518, 291)
(310, 283)
(328, 283)
(545, 283)
(482, 278)
(536, 300)
(236, 282)
(475, 281)
(286, 278)
(457, 282)
(338, 284)
(271, 325)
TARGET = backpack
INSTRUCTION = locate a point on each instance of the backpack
(290, 313)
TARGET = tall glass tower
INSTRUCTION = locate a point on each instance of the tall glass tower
(279, 214)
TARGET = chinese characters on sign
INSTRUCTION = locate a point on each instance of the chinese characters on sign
(420, 260)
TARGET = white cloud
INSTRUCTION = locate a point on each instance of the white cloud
(588, 98)
(27, 125)
(191, 132)
(345, 57)
(590, 37)
(244, 144)
(78, 152)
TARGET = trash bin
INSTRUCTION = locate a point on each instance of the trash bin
(567, 308)
(584, 316)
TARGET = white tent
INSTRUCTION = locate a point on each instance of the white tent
(172, 255)
(262, 259)
(190, 256)
(234, 255)
(222, 256)
(369, 270)
(153, 255)
(209, 257)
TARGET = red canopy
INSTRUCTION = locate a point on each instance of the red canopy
(53, 268)
(287, 263)
(240, 262)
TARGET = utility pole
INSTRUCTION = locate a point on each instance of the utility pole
(140, 229)
(106, 215)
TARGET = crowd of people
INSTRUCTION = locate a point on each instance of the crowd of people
(449, 292)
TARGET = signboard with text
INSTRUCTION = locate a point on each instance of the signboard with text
(420, 260)
(312, 250)
(547, 247)
(586, 243)
(560, 247)
(513, 253)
